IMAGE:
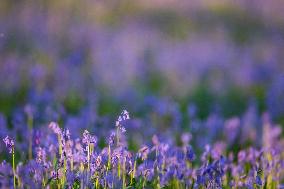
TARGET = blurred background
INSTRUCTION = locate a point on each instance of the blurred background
(205, 66)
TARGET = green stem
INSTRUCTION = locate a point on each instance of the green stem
(97, 183)
(65, 169)
(109, 158)
(134, 172)
(118, 168)
(144, 181)
(124, 174)
(60, 144)
(14, 170)
(192, 185)
(158, 182)
(43, 182)
(30, 124)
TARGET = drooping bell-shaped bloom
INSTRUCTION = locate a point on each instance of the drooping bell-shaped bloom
(123, 117)
(9, 142)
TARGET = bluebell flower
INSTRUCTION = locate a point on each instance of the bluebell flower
(9, 142)
(111, 138)
(55, 128)
(143, 152)
(189, 154)
(6, 173)
(200, 180)
(88, 138)
(123, 117)
(110, 179)
(258, 180)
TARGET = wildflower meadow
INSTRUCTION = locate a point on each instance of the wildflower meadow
(141, 94)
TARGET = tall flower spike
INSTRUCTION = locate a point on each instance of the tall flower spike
(55, 128)
(88, 138)
(123, 116)
(189, 153)
(9, 142)
(66, 134)
(143, 152)
(111, 138)
(40, 155)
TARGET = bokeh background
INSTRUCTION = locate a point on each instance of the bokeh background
(213, 68)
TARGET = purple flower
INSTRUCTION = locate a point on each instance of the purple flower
(88, 138)
(109, 179)
(241, 156)
(123, 117)
(98, 161)
(55, 128)
(143, 152)
(189, 153)
(231, 129)
(185, 138)
(70, 177)
(155, 140)
(111, 138)
(5, 174)
(9, 142)
(66, 134)
(115, 157)
(40, 155)
(37, 137)
(200, 180)
(29, 110)
(258, 180)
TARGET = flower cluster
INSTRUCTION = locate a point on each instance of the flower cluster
(123, 117)
(9, 142)
(158, 164)
(88, 139)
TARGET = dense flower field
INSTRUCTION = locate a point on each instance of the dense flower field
(141, 94)
(55, 159)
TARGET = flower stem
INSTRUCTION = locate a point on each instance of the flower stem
(124, 173)
(88, 148)
(144, 182)
(97, 182)
(133, 172)
(117, 136)
(109, 158)
(30, 125)
(72, 164)
(14, 170)
(118, 168)
(60, 144)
